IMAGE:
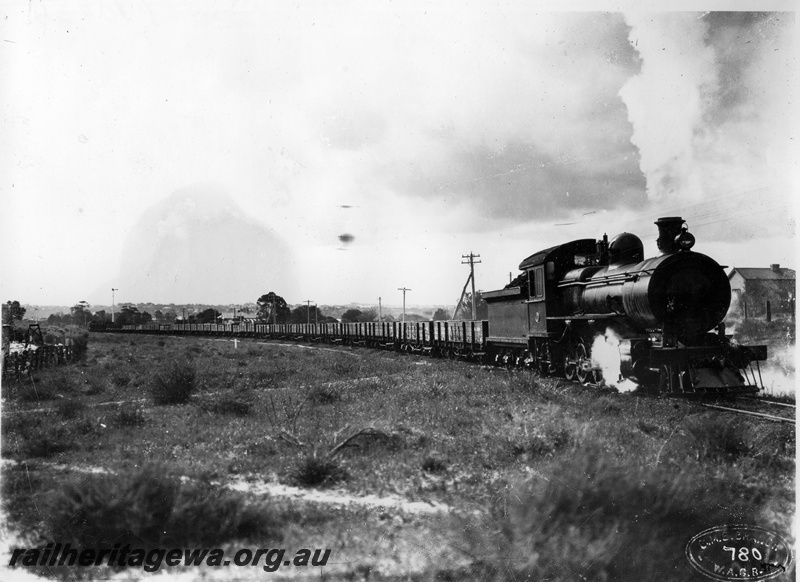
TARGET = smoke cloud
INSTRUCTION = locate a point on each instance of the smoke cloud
(711, 110)
(667, 100)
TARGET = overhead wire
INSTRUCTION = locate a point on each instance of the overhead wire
(723, 207)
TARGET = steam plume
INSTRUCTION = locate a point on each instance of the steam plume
(666, 102)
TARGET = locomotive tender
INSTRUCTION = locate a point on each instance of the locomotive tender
(661, 317)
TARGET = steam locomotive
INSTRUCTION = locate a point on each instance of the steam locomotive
(663, 315)
(657, 321)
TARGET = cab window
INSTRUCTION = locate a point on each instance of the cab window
(536, 282)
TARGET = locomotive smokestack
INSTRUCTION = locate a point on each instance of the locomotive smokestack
(669, 228)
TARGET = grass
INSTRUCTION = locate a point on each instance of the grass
(130, 415)
(314, 470)
(546, 479)
(151, 507)
(597, 517)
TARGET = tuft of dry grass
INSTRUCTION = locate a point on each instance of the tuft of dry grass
(174, 383)
(315, 470)
(151, 507)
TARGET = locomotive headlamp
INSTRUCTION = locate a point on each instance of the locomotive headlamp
(684, 241)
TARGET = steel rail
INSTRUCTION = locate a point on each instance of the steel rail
(750, 413)
(765, 401)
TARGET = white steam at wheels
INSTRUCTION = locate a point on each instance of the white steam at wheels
(605, 355)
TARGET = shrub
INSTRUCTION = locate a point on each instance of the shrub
(130, 415)
(236, 405)
(317, 471)
(151, 507)
(541, 441)
(174, 383)
(70, 408)
(608, 406)
(344, 366)
(32, 392)
(717, 438)
(261, 450)
(325, 394)
(44, 386)
(120, 379)
(80, 345)
(434, 464)
(605, 518)
(208, 515)
(94, 386)
(86, 427)
(45, 439)
(270, 374)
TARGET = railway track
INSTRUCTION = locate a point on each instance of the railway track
(760, 408)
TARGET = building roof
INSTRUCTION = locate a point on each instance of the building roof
(763, 273)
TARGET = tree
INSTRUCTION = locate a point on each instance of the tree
(207, 316)
(272, 308)
(80, 313)
(59, 319)
(354, 315)
(465, 309)
(13, 311)
(351, 315)
(441, 315)
(158, 316)
(169, 316)
(101, 316)
(309, 314)
(130, 315)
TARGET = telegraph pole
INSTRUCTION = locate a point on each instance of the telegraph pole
(112, 304)
(380, 310)
(308, 311)
(471, 262)
(471, 259)
(403, 289)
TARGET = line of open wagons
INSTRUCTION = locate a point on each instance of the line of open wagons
(453, 339)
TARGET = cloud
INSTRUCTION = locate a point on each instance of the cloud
(443, 128)
(528, 125)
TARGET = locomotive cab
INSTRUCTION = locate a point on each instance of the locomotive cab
(525, 314)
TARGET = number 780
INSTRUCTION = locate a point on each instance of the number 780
(743, 553)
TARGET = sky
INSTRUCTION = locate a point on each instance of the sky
(210, 152)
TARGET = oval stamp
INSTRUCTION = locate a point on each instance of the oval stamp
(739, 552)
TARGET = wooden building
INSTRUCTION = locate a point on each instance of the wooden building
(763, 292)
